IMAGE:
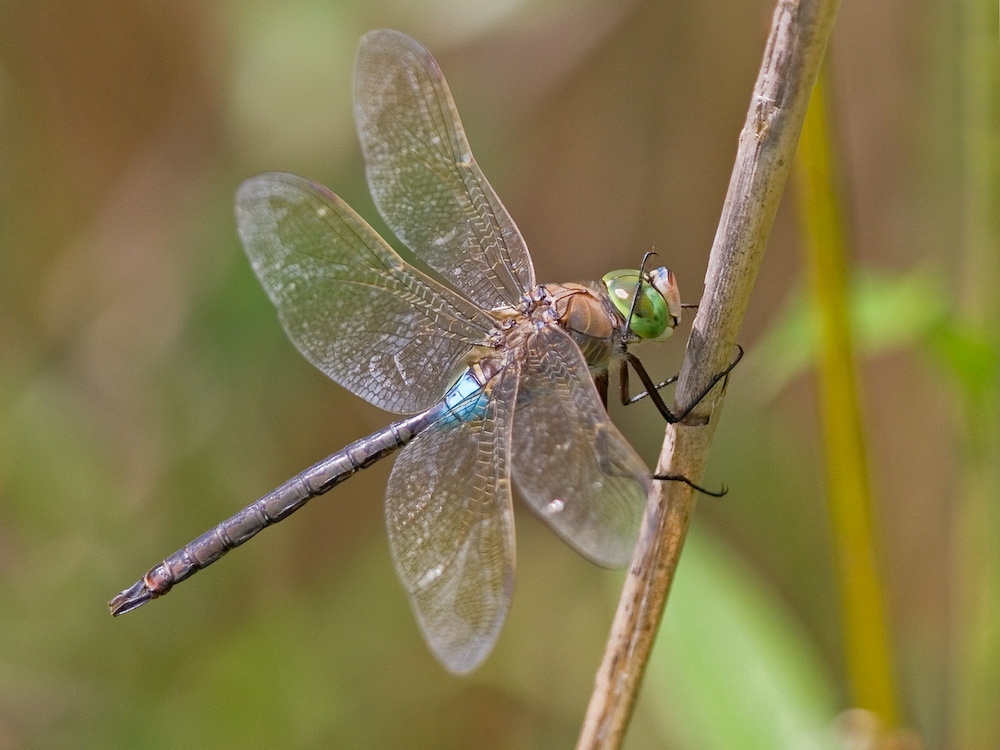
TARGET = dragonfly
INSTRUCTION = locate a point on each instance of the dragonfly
(504, 380)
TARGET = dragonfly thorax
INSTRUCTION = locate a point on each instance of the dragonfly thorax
(586, 314)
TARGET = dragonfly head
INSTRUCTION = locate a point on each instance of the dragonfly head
(658, 306)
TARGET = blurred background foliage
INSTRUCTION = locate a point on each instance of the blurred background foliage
(147, 390)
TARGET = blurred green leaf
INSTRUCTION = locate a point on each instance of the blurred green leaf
(888, 311)
(970, 354)
(733, 667)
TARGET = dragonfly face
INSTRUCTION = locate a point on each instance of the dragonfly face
(524, 409)
(655, 310)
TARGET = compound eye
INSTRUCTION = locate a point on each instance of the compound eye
(665, 283)
(654, 316)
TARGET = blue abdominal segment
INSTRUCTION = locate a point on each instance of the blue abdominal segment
(466, 400)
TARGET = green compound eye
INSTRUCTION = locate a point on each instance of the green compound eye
(658, 308)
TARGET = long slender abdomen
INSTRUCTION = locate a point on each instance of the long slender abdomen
(271, 508)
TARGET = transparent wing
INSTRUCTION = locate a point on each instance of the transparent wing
(571, 464)
(351, 305)
(451, 529)
(424, 179)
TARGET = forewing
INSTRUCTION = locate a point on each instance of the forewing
(571, 464)
(424, 179)
(451, 529)
(348, 302)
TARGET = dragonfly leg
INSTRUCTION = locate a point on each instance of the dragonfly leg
(626, 398)
(723, 376)
(601, 381)
(680, 477)
(652, 390)
(692, 485)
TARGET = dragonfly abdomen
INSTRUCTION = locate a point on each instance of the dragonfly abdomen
(271, 508)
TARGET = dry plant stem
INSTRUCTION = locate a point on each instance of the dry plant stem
(795, 46)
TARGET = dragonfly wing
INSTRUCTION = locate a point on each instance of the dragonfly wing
(424, 179)
(571, 464)
(352, 306)
(451, 529)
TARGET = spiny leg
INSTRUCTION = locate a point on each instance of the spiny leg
(652, 389)
(626, 398)
(692, 485)
(601, 381)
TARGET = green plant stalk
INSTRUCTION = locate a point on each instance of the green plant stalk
(866, 640)
(976, 688)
